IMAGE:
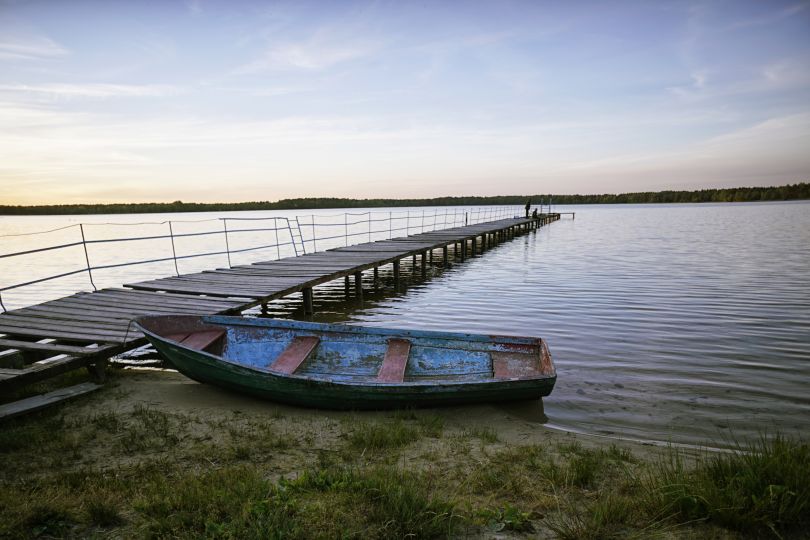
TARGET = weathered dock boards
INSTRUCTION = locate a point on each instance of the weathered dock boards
(85, 329)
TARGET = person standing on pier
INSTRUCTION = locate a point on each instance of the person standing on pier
(528, 205)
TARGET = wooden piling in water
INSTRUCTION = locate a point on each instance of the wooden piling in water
(308, 303)
(358, 285)
(396, 274)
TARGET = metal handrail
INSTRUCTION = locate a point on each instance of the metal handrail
(306, 232)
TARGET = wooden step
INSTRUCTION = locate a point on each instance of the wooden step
(16, 408)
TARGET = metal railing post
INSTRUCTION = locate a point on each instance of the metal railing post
(275, 231)
(369, 226)
(314, 245)
(292, 239)
(227, 245)
(174, 251)
(423, 221)
(2, 305)
(87, 257)
(390, 225)
(346, 228)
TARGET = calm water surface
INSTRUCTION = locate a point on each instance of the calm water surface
(683, 323)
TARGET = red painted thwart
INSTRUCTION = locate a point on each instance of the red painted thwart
(294, 355)
(396, 358)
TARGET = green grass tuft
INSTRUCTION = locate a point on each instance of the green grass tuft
(381, 436)
(759, 489)
(486, 434)
(103, 513)
(508, 518)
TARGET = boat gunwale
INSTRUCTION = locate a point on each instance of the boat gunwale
(226, 320)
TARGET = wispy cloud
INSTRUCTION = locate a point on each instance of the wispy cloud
(193, 6)
(771, 16)
(93, 90)
(323, 50)
(30, 48)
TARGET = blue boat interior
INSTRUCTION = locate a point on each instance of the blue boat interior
(339, 356)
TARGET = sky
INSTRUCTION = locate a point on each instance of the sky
(113, 101)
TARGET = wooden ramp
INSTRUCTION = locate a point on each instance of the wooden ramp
(85, 329)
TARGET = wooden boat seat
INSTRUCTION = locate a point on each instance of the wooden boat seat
(395, 361)
(198, 340)
(514, 366)
(294, 355)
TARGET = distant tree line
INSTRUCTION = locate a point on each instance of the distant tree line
(741, 194)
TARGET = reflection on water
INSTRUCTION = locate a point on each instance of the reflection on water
(682, 323)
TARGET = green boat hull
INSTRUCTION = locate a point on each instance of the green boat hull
(359, 393)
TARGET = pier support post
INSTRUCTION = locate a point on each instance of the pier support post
(424, 264)
(376, 276)
(396, 274)
(463, 250)
(98, 370)
(346, 286)
(358, 285)
(308, 304)
(473, 245)
(444, 256)
(264, 308)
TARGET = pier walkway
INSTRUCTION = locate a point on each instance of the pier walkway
(86, 328)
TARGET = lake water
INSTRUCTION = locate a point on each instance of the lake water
(682, 323)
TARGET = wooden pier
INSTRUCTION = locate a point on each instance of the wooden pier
(85, 329)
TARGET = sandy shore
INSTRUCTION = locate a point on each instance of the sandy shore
(515, 423)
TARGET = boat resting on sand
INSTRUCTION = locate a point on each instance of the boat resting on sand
(349, 367)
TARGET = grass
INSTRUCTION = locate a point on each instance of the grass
(763, 488)
(485, 434)
(376, 436)
(145, 472)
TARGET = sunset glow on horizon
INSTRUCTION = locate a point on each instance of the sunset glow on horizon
(224, 102)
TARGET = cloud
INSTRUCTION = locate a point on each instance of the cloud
(304, 56)
(194, 7)
(93, 90)
(771, 16)
(326, 48)
(31, 48)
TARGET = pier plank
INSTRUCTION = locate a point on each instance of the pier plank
(168, 299)
(51, 347)
(8, 324)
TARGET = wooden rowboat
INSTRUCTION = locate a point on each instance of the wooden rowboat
(348, 367)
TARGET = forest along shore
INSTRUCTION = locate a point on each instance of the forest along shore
(786, 192)
(154, 453)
